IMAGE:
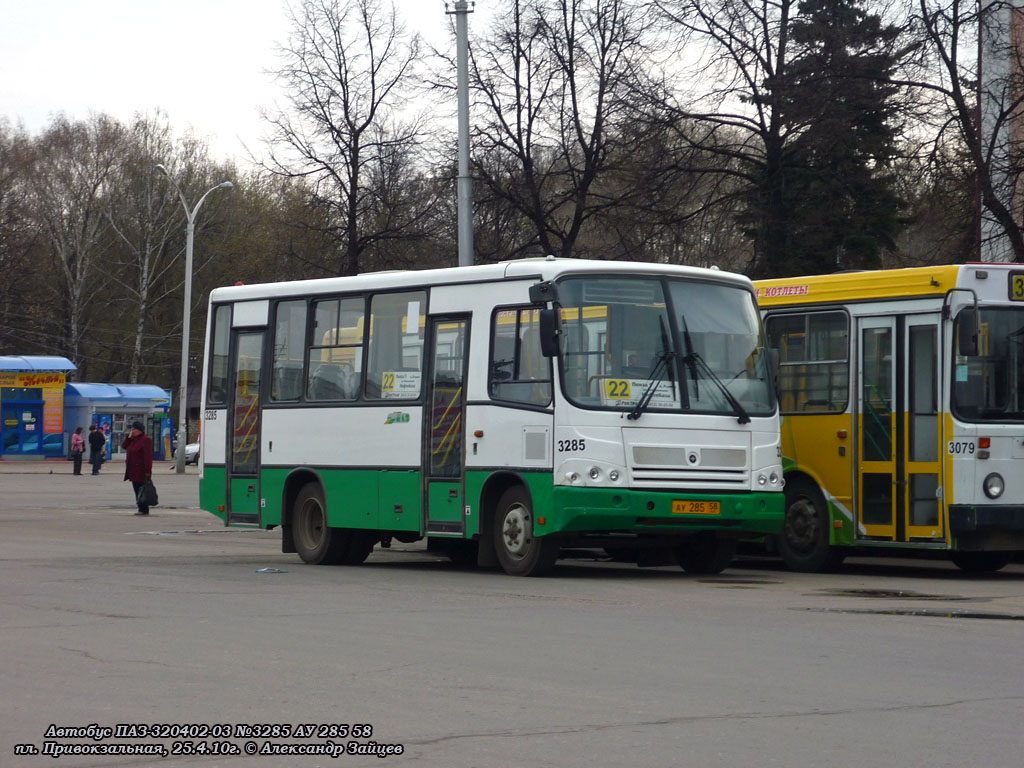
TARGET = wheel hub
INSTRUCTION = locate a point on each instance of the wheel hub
(515, 530)
(802, 525)
(312, 527)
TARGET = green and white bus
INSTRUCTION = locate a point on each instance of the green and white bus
(502, 412)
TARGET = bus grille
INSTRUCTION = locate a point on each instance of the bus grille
(646, 477)
(697, 467)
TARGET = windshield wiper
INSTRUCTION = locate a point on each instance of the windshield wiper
(694, 359)
(657, 375)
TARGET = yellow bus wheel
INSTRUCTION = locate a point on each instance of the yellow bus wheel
(803, 542)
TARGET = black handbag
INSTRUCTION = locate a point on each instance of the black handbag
(147, 495)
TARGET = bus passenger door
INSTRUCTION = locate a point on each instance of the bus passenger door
(898, 470)
(876, 414)
(444, 422)
(243, 454)
(924, 519)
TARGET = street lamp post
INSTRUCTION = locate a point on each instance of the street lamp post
(190, 217)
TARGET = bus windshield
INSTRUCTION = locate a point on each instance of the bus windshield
(663, 344)
(989, 386)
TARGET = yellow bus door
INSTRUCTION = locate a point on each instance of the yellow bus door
(876, 420)
(898, 470)
(923, 516)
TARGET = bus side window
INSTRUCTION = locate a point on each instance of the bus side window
(289, 347)
(217, 389)
(814, 361)
(395, 367)
(518, 370)
(334, 367)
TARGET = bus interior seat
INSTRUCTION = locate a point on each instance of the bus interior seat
(353, 383)
(327, 383)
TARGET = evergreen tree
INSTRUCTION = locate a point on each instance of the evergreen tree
(840, 195)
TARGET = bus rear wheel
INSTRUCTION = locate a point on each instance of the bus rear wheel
(315, 541)
(705, 553)
(519, 551)
(803, 542)
(980, 562)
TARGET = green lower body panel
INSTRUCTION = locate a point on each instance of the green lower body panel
(213, 491)
(392, 500)
(579, 510)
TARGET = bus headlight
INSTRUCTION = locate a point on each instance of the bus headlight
(761, 479)
(773, 478)
(595, 474)
(994, 485)
(614, 475)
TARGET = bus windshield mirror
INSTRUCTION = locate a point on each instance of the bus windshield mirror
(967, 332)
(548, 332)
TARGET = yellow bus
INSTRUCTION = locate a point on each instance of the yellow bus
(902, 394)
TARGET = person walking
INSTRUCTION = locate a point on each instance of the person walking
(138, 464)
(96, 444)
(77, 449)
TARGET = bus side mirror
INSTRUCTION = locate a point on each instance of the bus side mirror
(543, 293)
(967, 332)
(549, 332)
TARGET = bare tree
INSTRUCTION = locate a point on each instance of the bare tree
(558, 82)
(145, 215)
(969, 72)
(347, 69)
(18, 291)
(72, 166)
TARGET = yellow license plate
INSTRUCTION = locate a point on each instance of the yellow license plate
(696, 508)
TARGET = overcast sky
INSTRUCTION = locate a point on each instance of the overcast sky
(203, 62)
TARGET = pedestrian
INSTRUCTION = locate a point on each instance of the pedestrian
(138, 464)
(96, 444)
(77, 449)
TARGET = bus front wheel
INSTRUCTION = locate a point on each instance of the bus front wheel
(980, 562)
(519, 551)
(315, 541)
(803, 542)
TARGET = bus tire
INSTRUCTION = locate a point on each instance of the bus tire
(520, 553)
(981, 562)
(705, 553)
(803, 542)
(315, 541)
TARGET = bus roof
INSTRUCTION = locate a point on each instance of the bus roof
(858, 286)
(523, 269)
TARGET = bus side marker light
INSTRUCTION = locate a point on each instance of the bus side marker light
(478, 433)
(841, 434)
(984, 442)
(837, 524)
(220, 507)
(542, 520)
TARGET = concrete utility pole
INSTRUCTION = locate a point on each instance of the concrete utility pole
(462, 9)
(190, 217)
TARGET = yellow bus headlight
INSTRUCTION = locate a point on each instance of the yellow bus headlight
(994, 485)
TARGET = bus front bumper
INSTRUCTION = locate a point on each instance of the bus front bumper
(596, 510)
(972, 518)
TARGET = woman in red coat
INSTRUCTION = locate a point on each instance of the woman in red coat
(138, 465)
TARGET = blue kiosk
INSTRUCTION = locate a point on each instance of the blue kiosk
(32, 406)
(40, 409)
